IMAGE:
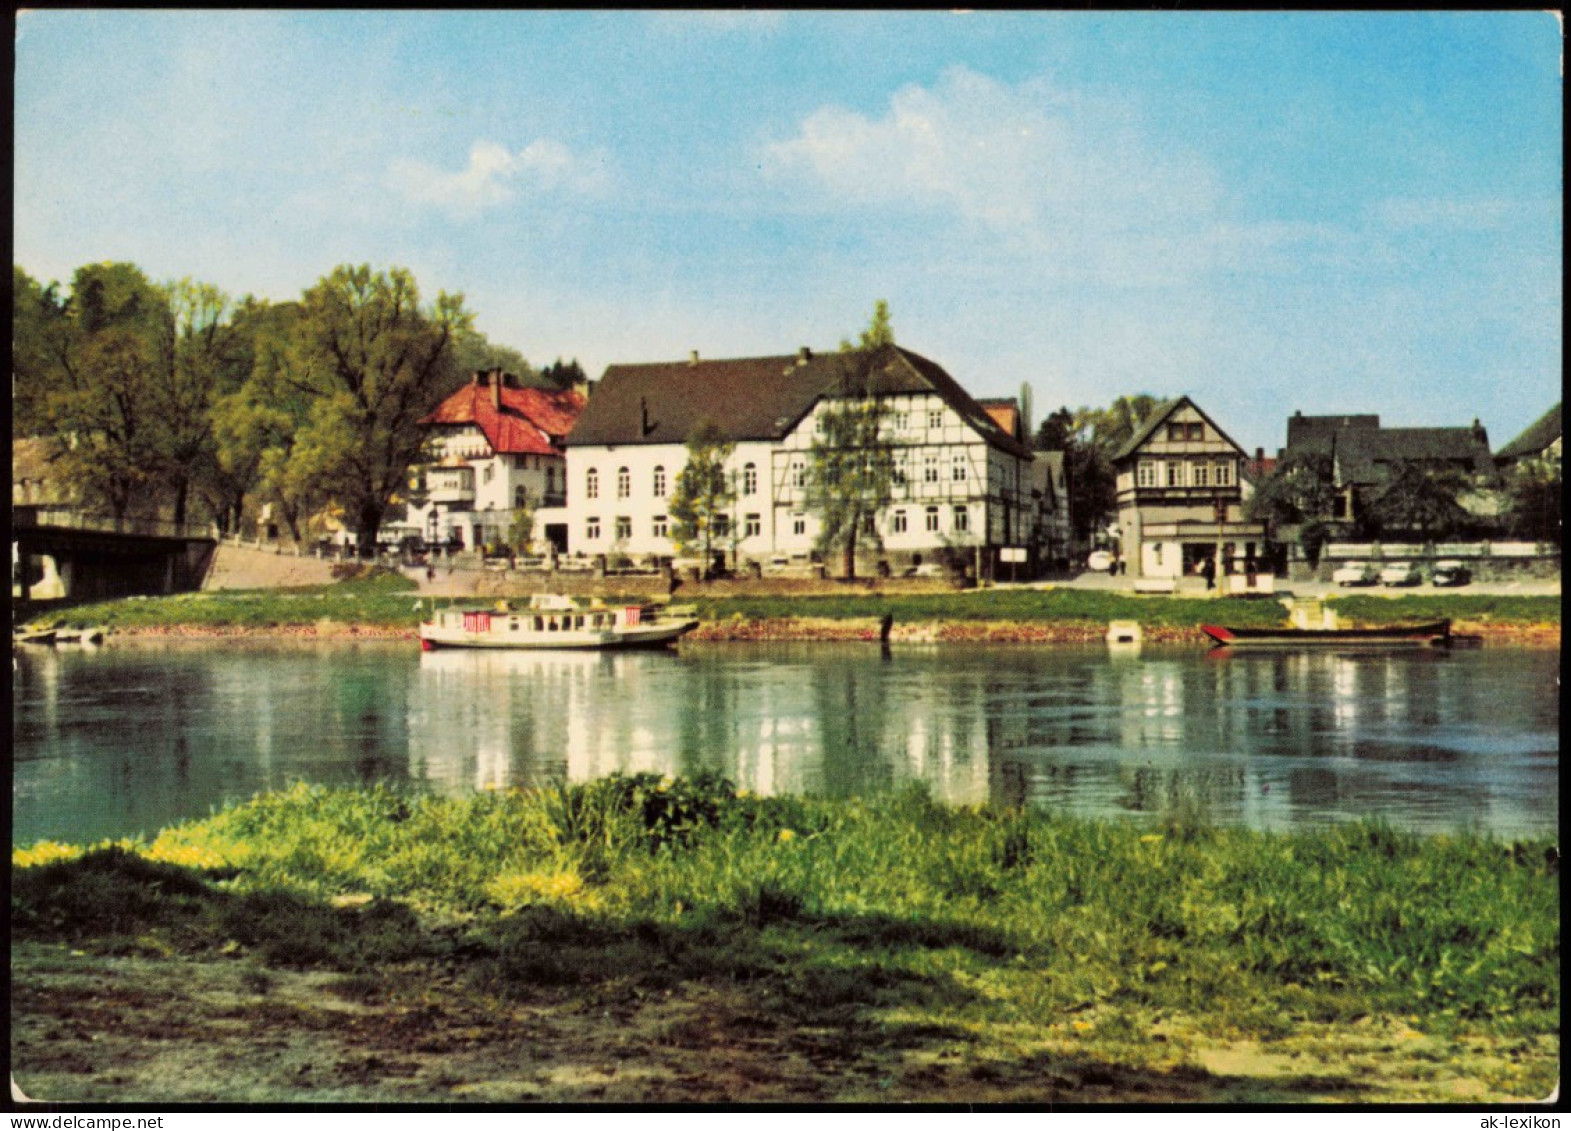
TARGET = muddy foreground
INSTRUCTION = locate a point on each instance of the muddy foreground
(149, 1029)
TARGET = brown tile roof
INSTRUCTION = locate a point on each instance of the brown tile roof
(753, 398)
(530, 421)
(1005, 414)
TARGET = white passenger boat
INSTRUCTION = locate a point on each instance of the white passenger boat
(554, 621)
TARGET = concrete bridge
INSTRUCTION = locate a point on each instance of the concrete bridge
(58, 553)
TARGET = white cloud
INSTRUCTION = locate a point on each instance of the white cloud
(494, 176)
(1463, 215)
(1030, 160)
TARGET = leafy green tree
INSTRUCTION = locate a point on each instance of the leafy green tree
(563, 375)
(1419, 500)
(199, 361)
(42, 340)
(704, 493)
(521, 530)
(1089, 438)
(102, 402)
(1300, 493)
(1534, 501)
(851, 463)
(255, 425)
(474, 352)
(373, 362)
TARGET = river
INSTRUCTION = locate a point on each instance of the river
(130, 737)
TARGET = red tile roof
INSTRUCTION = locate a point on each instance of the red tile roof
(530, 421)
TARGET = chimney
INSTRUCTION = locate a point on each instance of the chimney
(693, 358)
(496, 389)
(804, 355)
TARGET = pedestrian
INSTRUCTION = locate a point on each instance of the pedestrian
(1208, 571)
(430, 573)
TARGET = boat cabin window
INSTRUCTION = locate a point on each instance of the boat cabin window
(539, 624)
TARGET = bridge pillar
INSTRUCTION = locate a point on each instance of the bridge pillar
(23, 567)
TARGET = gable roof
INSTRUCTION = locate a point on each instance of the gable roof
(1155, 420)
(1318, 433)
(1538, 436)
(530, 421)
(754, 398)
(1359, 452)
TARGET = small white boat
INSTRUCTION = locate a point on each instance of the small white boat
(554, 621)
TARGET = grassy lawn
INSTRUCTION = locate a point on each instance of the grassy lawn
(388, 600)
(895, 949)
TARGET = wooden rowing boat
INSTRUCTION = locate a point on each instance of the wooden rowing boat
(1435, 634)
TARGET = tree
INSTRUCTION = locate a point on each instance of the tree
(372, 361)
(521, 531)
(97, 378)
(198, 362)
(41, 344)
(560, 375)
(1089, 438)
(1418, 500)
(851, 463)
(1533, 501)
(474, 352)
(256, 425)
(704, 493)
(1300, 493)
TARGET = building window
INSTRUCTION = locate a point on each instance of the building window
(932, 519)
(1175, 431)
(1202, 474)
(957, 467)
(1224, 474)
(592, 484)
(624, 528)
(799, 524)
(750, 480)
(1145, 475)
(1197, 431)
(660, 528)
(962, 518)
(898, 473)
(930, 467)
(489, 473)
(659, 487)
(935, 418)
(722, 525)
(1175, 473)
(550, 479)
(592, 530)
(624, 483)
(897, 522)
(520, 497)
(798, 473)
(752, 527)
(902, 421)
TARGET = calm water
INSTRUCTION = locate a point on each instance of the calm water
(133, 736)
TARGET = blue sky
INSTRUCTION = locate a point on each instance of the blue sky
(1268, 212)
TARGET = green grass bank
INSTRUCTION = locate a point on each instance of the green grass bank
(386, 603)
(889, 949)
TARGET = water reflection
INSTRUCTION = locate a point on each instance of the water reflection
(135, 736)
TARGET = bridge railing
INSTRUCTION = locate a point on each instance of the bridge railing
(63, 518)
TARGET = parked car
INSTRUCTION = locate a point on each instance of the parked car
(1099, 561)
(1450, 573)
(1354, 573)
(1401, 573)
